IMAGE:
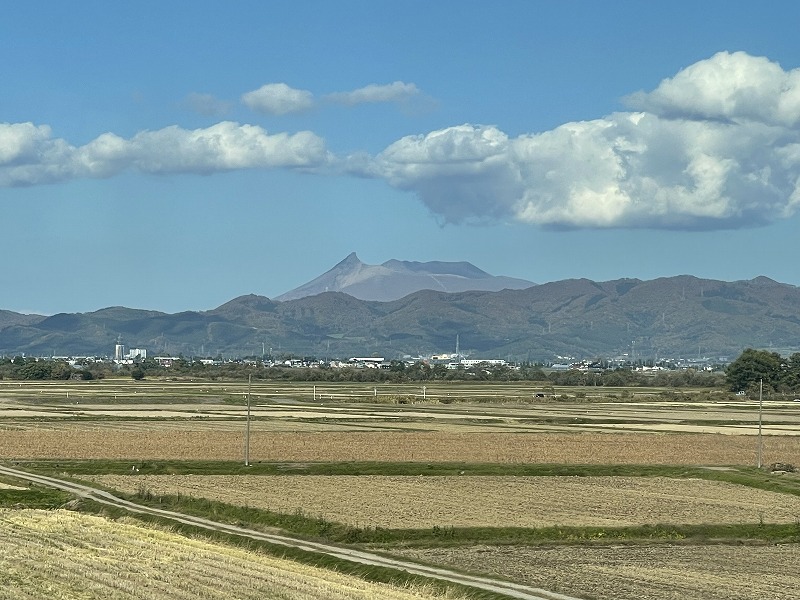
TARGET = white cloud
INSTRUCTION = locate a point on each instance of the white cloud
(715, 147)
(29, 155)
(278, 99)
(373, 93)
(727, 86)
(223, 147)
(18, 141)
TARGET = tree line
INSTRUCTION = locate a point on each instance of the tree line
(20, 368)
(752, 369)
(756, 368)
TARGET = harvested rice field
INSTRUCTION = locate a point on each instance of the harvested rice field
(502, 424)
(62, 554)
(447, 407)
(487, 501)
(427, 447)
(679, 572)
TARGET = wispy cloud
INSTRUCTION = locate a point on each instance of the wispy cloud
(29, 155)
(278, 99)
(375, 93)
(206, 105)
(715, 147)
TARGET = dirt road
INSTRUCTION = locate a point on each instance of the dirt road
(511, 590)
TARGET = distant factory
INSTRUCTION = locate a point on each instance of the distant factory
(126, 356)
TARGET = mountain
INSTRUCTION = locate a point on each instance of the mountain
(8, 318)
(394, 279)
(669, 317)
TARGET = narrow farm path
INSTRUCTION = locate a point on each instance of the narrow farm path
(512, 590)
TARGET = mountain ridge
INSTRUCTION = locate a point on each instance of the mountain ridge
(681, 316)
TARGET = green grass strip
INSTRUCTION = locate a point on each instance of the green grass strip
(33, 497)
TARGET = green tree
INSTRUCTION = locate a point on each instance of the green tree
(792, 376)
(60, 370)
(753, 366)
(419, 371)
(35, 370)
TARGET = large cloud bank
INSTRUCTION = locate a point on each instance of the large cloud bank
(29, 154)
(716, 146)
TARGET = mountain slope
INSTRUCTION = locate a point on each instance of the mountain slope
(669, 317)
(394, 279)
(9, 318)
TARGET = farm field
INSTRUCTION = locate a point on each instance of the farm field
(103, 441)
(63, 554)
(205, 420)
(455, 406)
(634, 572)
(484, 501)
(295, 426)
(779, 419)
(170, 391)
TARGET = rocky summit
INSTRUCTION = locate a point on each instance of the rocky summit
(395, 279)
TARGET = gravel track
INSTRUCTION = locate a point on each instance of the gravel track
(511, 590)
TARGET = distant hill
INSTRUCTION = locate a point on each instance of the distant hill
(8, 318)
(676, 317)
(394, 279)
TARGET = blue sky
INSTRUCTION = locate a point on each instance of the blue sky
(173, 155)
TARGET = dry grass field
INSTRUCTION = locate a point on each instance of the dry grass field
(428, 447)
(661, 572)
(487, 501)
(123, 390)
(62, 554)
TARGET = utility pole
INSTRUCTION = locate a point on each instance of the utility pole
(247, 425)
(760, 403)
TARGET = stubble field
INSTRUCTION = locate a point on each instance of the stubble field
(63, 554)
(104, 441)
(485, 501)
(636, 572)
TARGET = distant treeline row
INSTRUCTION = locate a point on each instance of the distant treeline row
(398, 372)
